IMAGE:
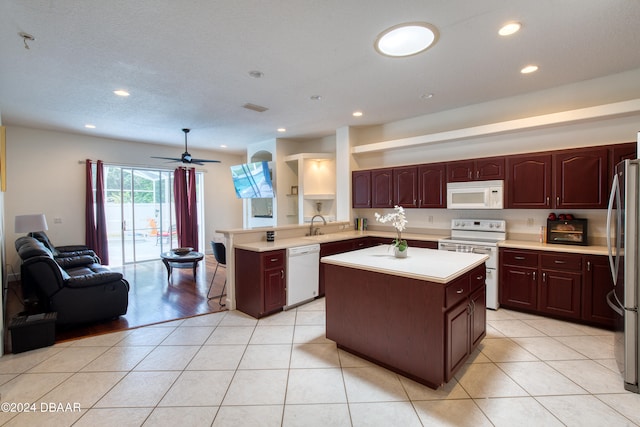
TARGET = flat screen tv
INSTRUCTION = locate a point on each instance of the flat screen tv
(252, 180)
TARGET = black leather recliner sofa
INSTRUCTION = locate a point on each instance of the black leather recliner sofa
(76, 286)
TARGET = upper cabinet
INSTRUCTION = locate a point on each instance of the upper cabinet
(405, 186)
(382, 188)
(566, 179)
(361, 189)
(581, 178)
(476, 170)
(432, 186)
(529, 181)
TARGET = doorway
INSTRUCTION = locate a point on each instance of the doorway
(140, 213)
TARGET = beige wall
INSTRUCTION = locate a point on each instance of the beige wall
(44, 176)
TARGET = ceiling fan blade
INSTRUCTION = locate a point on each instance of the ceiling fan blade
(167, 158)
(204, 161)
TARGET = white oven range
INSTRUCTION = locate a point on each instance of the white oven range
(479, 236)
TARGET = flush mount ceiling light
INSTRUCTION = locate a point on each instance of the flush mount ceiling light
(121, 92)
(281, 130)
(90, 126)
(510, 28)
(406, 39)
(357, 114)
(529, 69)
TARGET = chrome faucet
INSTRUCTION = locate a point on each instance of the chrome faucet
(313, 232)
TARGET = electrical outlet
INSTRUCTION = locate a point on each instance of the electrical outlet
(57, 220)
(430, 219)
(529, 222)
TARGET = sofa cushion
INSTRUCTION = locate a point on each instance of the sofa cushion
(28, 247)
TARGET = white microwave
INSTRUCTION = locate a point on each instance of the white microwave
(475, 195)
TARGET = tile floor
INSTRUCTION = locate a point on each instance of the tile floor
(228, 369)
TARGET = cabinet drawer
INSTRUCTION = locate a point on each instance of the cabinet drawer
(520, 258)
(477, 278)
(561, 261)
(273, 259)
(457, 291)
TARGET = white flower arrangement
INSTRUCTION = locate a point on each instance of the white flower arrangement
(399, 222)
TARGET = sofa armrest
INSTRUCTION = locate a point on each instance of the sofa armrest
(94, 279)
(75, 261)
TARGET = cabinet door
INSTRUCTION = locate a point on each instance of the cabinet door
(596, 285)
(457, 323)
(518, 287)
(529, 181)
(581, 179)
(274, 289)
(460, 171)
(618, 153)
(405, 186)
(432, 186)
(361, 189)
(382, 188)
(478, 320)
(560, 293)
(488, 169)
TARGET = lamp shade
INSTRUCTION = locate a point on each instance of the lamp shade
(31, 223)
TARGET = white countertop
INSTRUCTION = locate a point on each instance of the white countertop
(576, 249)
(422, 264)
(263, 246)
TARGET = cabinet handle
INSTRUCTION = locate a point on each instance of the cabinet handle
(519, 258)
(544, 277)
(558, 201)
(274, 259)
(588, 265)
(547, 200)
(389, 202)
(534, 276)
(560, 261)
(282, 274)
(477, 174)
(459, 291)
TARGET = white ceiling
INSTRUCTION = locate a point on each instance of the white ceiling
(187, 63)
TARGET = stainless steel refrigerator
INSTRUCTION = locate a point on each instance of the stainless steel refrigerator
(622, 240)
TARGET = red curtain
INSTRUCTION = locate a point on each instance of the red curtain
(95, 220)
(184, 195)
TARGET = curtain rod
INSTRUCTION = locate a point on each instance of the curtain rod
(83, 162)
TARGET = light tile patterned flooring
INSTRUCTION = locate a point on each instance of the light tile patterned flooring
(228, 369)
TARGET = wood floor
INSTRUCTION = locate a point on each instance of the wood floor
(152, 298)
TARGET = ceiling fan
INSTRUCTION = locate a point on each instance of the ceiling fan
(186, 157)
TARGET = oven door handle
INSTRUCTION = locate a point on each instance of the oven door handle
(482, 251)
(448, 247)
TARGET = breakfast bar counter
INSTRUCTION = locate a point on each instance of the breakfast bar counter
(420, 316)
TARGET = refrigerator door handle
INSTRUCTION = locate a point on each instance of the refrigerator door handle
(613, 265)
(615, 307)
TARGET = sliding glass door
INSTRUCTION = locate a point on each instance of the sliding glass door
(140, 213)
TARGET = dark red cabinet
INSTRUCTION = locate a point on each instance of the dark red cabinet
(596, 285)
(528, 181)
(361, 189)
(581, 179)
(260, 282)
(382, 188)
(476, 170)
(432, 186)
(405, 187)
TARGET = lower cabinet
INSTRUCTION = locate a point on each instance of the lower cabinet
(567, 286)
(466, 321)
(260, 282)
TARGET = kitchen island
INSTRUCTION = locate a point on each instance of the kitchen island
(420, 316)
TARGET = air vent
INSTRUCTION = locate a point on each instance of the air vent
(255, 107)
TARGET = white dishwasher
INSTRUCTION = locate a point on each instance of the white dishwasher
(303, 269)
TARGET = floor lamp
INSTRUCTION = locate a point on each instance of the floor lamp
(30, 223)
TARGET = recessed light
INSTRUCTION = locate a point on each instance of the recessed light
(426, 96)
(406, 39)
(281, 130)
(315, 97)
(121, 92)
(510, 28)
(357, 114)
(529, 69)
(90, 126)
(256, 74)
